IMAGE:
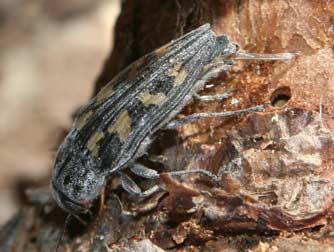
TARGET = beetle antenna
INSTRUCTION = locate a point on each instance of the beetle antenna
(67, 220)
(263, 56)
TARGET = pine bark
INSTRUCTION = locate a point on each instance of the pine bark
(276, 165)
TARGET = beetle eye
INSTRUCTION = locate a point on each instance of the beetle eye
(67, 180)
(77, 188)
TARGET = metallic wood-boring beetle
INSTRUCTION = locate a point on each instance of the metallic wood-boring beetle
(115, 127)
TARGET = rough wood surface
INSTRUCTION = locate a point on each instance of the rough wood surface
(277, 165)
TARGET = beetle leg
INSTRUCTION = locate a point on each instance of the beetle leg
(144, 172)
(133, 189)
(213, 70)
(102, 200)
(218, 97)
(193, 117)
(212, 176)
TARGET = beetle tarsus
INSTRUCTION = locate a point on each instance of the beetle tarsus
(134, 190)
(216, 97)
(193, 117)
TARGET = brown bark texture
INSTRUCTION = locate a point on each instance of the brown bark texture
(276, 165)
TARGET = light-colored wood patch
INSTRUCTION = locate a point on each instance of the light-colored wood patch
(83, 118)
(122, 126)
(146, 98)
(104, 94)
(92, 142)
(178, 73)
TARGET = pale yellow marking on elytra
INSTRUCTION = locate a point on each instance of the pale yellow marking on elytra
(179, 73)
(92, 142)
(104, 93)
(83, 118)
(146, 98)
(122, 126)
(162, 50)
(134, 68)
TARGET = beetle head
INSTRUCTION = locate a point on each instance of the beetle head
(75, 183)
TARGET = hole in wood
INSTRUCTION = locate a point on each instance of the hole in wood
(280, 97)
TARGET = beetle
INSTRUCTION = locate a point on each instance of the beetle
(116, 126)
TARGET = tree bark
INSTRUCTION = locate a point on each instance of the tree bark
(276, 165)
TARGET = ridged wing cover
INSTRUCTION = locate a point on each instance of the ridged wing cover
(113, 125)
